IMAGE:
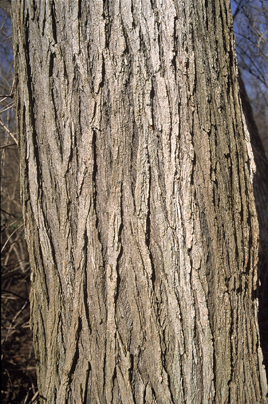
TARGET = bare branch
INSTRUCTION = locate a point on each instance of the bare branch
(8, 131)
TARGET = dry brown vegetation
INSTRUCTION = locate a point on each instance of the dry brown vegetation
(17, 357)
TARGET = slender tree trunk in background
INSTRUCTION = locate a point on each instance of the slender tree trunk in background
(137, 183)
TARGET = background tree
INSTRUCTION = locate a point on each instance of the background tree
(137, 176)
(250, 27)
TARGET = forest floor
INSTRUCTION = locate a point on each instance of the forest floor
(17, 354)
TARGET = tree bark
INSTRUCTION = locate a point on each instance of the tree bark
(137, 185)
(260, 186)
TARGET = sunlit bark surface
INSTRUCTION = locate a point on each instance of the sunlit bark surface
(137, 172)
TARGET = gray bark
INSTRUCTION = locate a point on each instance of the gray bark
(260, 186)
(137, 185)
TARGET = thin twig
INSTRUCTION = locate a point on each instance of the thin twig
(8, 145)
(9, 214)
(10, 237)
(35, 397)
(11, 330)
(14, 294)
(8, 131)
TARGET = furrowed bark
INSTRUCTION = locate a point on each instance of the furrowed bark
(137, 186)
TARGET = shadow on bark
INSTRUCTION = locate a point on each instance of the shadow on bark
(261, 198)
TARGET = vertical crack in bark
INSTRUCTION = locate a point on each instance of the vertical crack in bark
(112, 278)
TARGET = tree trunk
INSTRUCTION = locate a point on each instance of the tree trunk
(260, 186)
(137, 184)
